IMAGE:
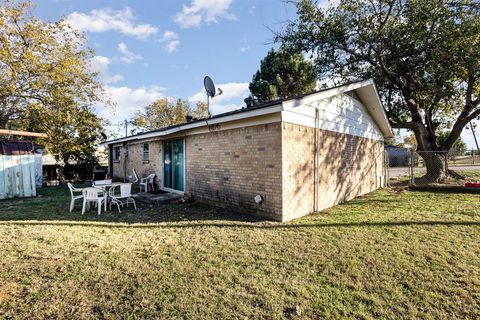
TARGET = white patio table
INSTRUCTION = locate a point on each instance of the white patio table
(102, 183)
(105, 185)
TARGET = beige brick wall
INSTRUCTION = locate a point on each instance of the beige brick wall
(135, 160)
(349, 166)
(235, 165)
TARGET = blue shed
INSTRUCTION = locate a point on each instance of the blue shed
(17, 169)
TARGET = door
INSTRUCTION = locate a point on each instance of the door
(174, 164)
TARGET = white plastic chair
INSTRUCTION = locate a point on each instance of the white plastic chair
(74, 197)
(134, 177)
(145, 182)
(121, 194)
(95, 195)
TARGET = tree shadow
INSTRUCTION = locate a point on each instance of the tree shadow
(52, 204)
(51, 209)
(246, 225)
(348, 166)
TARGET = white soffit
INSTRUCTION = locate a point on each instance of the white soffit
(371, 101)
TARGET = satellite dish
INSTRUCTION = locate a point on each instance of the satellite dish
(211, 91)
(209, 86)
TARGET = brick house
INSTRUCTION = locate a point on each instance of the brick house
(301, 154)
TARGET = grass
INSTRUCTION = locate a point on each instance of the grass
(469, 175)
(390, 254)
(465, 160)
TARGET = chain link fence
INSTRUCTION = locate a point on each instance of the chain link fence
(406, 166)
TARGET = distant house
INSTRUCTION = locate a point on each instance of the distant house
(283, 159)
(54, 170)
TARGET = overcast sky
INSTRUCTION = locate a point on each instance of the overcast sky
(149, 49)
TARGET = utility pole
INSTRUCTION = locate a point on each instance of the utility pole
(125, 153)
(474, 137)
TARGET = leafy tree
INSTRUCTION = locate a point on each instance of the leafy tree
(282, 74)
(410, 141)
(46, 84)
(459, 147)
(168, 112)
(73, 133)
(422, 54)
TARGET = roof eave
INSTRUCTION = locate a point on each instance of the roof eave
(365, 89)
(201, 123)
(369, 96)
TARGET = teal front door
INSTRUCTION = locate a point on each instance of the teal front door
(174, 165)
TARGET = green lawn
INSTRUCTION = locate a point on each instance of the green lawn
(469, 175)
(391, 254)
(468, 160)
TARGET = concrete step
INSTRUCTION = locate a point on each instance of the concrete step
(156, 199)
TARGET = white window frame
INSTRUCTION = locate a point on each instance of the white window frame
(116, 154)
(147, 153)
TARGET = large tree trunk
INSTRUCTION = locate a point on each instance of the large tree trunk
(436, 166)
(435, 160)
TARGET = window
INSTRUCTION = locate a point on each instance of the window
(146, 152)
(116, 154)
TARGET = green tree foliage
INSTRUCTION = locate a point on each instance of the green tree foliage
(459, 147)
(422, 54)
(410, 141)
(168, 112)
(282, 74)
(46, 84)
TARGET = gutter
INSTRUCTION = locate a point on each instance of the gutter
(201, 123)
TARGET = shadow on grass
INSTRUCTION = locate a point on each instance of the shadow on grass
(51, 208)
(52, 204)
(165, 213)
(247, 225)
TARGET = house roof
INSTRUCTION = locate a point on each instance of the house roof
(15, 147)
(365, 90)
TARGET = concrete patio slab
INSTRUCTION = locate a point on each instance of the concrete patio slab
(155, 198)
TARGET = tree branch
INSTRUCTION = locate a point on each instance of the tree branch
(406, 125)
(458, 128)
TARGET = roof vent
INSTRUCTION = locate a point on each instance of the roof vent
(250, 101)
(189, 118)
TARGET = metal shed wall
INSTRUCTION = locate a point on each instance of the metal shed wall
(17, 169)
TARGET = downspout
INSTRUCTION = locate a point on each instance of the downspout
(315, 163)
(110, 160)
(125, 156)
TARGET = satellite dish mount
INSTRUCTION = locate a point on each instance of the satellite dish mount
(211, 91)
